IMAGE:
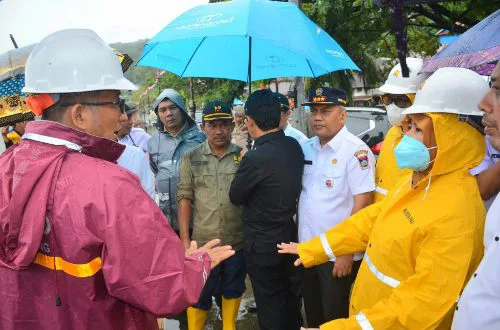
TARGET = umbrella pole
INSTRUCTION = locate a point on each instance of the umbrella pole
(249, 139)
(13, 41)
(249, 66)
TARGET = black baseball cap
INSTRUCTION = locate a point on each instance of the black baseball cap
(327, 95)
(263, 105)
(217, 110)
(127, 107)
(130, 109)
(284, 105)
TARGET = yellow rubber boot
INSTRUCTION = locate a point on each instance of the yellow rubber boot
(230, 309)
(196, 318)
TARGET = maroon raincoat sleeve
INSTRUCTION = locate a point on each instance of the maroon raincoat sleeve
(144, 261)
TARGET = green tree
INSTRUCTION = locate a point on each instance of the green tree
(205, 89)
(364, 31)
(356, 26)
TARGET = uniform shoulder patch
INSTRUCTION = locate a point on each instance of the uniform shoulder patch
(362, 156)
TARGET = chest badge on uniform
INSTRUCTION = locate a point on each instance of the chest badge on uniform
(329, 184)
(334, 161)
(237, 159)
(362, 157)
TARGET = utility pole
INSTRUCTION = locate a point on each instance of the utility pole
(144, 119)
(299, 115)
(192, 103)
(149, 105)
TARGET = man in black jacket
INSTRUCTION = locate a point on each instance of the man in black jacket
(268, 184)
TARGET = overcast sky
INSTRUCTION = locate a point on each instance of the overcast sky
(125, 20)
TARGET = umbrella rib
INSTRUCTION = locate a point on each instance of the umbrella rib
(189, 62)
(314, 76)
(144, 55)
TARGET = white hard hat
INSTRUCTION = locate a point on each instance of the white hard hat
(397, 84)
(450, 90)
(71, 61)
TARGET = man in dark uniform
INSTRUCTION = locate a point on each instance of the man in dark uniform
(267, 184)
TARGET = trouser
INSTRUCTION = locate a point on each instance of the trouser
(276, 287)
(226, 280)
(326, 298)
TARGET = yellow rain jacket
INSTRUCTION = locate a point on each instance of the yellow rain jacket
(387, 172)
(422, 243)
(14, 137)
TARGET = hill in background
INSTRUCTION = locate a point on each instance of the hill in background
(137, 74)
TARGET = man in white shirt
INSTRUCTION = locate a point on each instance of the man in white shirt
(479, 305)
(136, 160)
(338, 181)
(285, 125)
(488, 174)
(130, 135)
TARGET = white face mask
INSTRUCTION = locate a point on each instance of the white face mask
(394, 114)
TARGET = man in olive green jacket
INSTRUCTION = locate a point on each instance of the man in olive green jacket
(206, 173)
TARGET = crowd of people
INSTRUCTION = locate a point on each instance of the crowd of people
(105, 227)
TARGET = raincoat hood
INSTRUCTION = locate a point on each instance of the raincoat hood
(24, 203)
(174, 96)
(459, 145)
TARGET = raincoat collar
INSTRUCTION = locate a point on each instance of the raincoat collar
(90, 145)
(188, 130)
(184, 127)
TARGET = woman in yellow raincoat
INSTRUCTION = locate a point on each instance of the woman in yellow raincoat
(399, 94)
(423, 241)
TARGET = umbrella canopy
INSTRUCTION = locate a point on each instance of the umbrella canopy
(125, 60)
(245, 40)
(12, 62)
(476, 49)
(13, 107)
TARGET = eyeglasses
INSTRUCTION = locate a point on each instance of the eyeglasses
(94, 104)
(401, 101)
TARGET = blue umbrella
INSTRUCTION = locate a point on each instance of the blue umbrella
(476, 49)
(245, 40)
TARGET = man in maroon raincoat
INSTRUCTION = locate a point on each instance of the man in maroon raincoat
(82, 246)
